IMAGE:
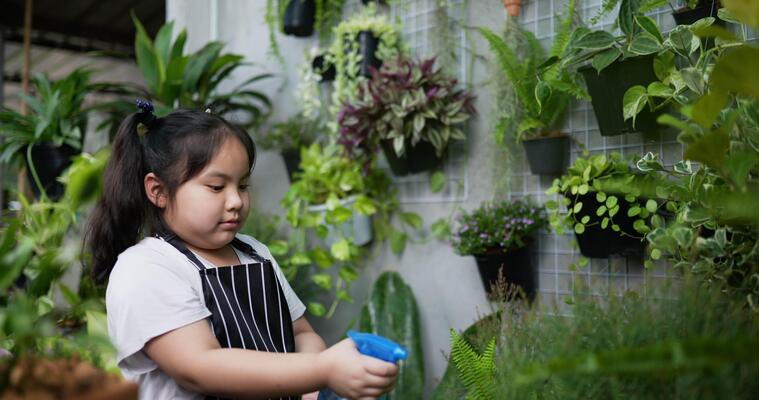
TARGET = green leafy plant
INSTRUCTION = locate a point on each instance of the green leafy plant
(176, 79)
(543, 95)
(594, 177)
(327, 14)
(503, 226)
(477, 371)
(405, 102)
(391, 311)
(344, 54)
(292, 134)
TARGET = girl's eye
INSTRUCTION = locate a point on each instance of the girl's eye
(244, 187)
(216, 188)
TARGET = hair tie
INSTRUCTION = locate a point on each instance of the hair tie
(146, 112)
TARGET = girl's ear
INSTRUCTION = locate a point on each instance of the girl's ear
(155, 190)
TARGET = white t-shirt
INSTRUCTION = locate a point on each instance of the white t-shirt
(154, 289)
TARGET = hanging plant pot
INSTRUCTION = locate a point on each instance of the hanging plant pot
(595, 242)
(515, 266)
(323, 68)
(49, 162)
(687, 16)
(419, 158)
(367, 47)
(292, 161)
(299, 18)
(608, 88)
(358, 226)
(549, 155)
(513, 7)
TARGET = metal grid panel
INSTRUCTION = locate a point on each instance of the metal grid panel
(418, 21)
(554, 253)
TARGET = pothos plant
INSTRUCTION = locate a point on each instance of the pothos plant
(329, 178)
(716, 227)
(344, 54)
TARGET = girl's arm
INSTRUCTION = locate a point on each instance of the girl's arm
(192, 356)
(306, 340)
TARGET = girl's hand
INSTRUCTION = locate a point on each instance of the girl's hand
(356, 376)
(310, 396)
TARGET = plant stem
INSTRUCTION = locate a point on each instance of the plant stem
(43, 194)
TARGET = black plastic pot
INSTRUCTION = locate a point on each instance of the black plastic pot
(515, 266)
(416, 159)
(299, 18)
(601, 243)
(548, 156)
(608, 88)
(292, 161)
(49, 162)
(367, 47)
(687, 16)
(327, 71)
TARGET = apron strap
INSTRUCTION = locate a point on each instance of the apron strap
(173, 239)
(247, 249)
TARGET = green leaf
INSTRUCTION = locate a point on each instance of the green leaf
(737, 70)
(365, 205)
(611, 201)
(658, 89)
(604, 58)
(707, 108)
(585, 219)
(279, 247)
(604, 223)
(577, 207)
(640, 226)
(601, 211)
(441, 229)
(321, 257)
(634, 100)
(651, 205)
(709, 149)
(739, 164)
(437, 181)
(655, 254)
(347, 273)
(322, 280)
(398, 241)
(317, 309)
(579, 228)
(633, 211)
(745, 11)
(693, 79)
(613, 211)
(412, 219)
(300, 258)
(600, 197)
(596, 40)
(341, 250)
(626, 16)
(644, 44)
(649, 25)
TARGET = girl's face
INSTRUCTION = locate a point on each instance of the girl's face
(210, 208)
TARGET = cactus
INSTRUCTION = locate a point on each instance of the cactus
(391, 312)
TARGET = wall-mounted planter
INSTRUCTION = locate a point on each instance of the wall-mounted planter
(513, 7)
(514, 265)
(49, 162)
(419, 158)
(358, 226)
(608, 88)
(687, 16)
(367, 47)
(299, 18)
(601, 243)
(325, 70)
(292, 161)
(549, 155)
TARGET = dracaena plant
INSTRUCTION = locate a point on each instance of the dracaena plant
(405, 102)
(542, 95)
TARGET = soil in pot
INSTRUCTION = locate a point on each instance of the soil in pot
(292, 162)
(608, 88)
(548, 155)
(515, 266)
(416, 159)
(367, 44)
(601, 243)
(299, 18)
(69, 379)
(49, 162)
(325, 70)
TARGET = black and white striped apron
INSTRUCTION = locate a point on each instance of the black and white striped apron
(248, 306)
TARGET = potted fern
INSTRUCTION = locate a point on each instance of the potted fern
(543, 95)
(499, 236)
(412, 110)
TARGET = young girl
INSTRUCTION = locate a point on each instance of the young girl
(194, 309)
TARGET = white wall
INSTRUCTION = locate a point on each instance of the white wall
(447, 286)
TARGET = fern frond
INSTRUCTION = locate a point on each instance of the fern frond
(505, 56)
(475, 371)
(561, 39)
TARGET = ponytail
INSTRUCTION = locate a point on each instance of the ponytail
(117, 219)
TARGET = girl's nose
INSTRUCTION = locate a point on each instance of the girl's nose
(234, 200)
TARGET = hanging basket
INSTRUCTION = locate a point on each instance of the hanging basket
(299, 18)
(515, 266)
(513, 7)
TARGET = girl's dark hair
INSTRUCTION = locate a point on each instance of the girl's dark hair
(175, 148)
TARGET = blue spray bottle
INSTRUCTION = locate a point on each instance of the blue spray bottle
(371, 345)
